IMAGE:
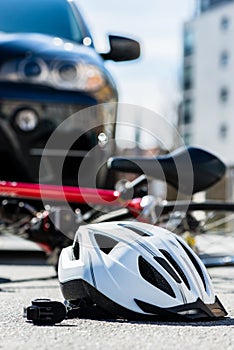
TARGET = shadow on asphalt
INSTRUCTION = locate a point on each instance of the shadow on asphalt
(32, 258)
(227, 321)
(223, 323)
(8, 280)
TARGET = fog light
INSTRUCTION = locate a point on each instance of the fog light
(26, 119)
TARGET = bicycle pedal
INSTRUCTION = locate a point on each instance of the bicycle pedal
(45, 312)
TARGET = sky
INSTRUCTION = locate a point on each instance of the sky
(153, 81)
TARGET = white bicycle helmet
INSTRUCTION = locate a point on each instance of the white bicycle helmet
(136, 271)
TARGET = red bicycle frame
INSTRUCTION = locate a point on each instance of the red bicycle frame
(59, 193)
(79, 195)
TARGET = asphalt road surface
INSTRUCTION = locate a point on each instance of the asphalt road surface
(19, 284)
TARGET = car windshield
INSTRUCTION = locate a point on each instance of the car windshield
(53, 17)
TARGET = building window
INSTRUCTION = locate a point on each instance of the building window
(224, 59)
(224, 23)
(205, 5)
(223, 131)
(188, 42)
(223, 94)
(187, 115)
(188, 81)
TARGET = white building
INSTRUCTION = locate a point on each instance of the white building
(207, 118)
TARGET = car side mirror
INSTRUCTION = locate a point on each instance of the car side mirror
(122, 49)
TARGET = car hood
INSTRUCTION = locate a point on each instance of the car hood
(13, 46)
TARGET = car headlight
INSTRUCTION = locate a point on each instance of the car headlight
(85, 77)
(33, 69)
(67, 72)
(26, 119)
(66, 75)
(94, 78)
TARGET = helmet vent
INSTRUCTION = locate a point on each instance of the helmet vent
(151, 275)
(168, 268)
(194, 262)
(140, 232)
(106, 244)
(176, 266)
(76, 250)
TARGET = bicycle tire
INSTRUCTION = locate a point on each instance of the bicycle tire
(211, 237)
(168, 207)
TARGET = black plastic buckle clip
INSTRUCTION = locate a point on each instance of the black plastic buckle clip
(46, 312)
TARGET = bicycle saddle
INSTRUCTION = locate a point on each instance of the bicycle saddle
(189, 170)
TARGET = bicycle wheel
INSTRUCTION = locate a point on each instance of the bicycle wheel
(207, 227)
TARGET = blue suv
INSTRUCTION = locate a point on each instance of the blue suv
(49, 70)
